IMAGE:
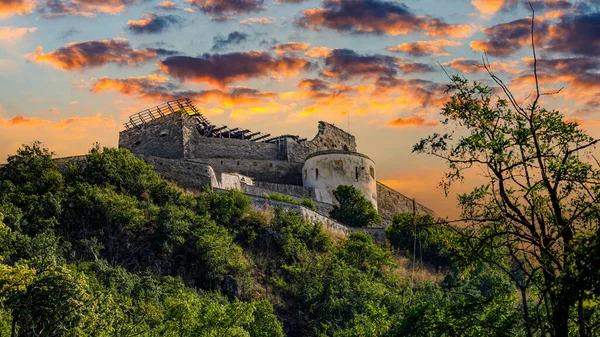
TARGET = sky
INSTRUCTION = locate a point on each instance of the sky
(72, 71)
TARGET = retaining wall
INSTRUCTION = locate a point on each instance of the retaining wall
(266, 204)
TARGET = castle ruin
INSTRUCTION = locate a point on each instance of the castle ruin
(185, 147)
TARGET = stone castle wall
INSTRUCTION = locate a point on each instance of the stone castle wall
(175, 136)
(187, 174)
(261, 188)
(271, 171)
(390, 202)
(196, 146)
(197, 161)
(329, 137)
(160, 138)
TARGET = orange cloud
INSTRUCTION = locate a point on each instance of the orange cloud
(130, 86)
(290, 47)
(260, 21)
(93, 54)
(412, 93)
(318, 52)
(11, 34)
(414, 120)
(67, 137)
(71, 123)
(167, 4)
(422, 48)
(86, 8)
(9, 8)
(156, 88)
(473, 66)
(222, 69)
(488, 8)
(582, 122)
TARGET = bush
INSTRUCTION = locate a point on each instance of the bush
(401, 234)
(306, 202)
(353, 209)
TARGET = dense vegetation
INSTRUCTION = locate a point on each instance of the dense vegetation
(353, 208)
(104, 246)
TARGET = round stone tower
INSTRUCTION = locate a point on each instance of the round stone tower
(326, 170)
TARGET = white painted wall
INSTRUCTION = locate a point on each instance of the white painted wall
(339, 168)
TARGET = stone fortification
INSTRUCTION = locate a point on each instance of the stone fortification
(186, 173)
(392, 202)
(186, 148)
(326, 170)
(160, 138)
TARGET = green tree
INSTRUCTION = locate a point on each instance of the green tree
(408, 230)
(541, 192)
(353, 209)
(32, 182)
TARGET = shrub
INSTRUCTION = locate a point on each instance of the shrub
(353, 209)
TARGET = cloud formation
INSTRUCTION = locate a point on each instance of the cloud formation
(9, 8)
(222, 69)
(224, 8)
(415, 93)
(167, 5)
(93, 54)
(87, 8)
(290, 47)
(414, 120)
(318, 52)
(376, 17)
(506, 38)
(473, 66)
(12, 34)
(573, 34)
(576, 34)
(234, 38)
(487, 8)
(343, 64)
(290, 1)
(260, 21)
(158, 89)
(71, 123)
(153, 23)
(132, 86)
(425, 48)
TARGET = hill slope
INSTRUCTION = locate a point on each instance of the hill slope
(106, 247)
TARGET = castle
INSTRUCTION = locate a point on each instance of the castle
(185, 147)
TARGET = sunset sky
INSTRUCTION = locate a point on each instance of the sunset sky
(72, 71)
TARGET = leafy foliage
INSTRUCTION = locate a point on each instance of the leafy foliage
(306, 202)
(540, 195)
(122, 252)
(353, 209)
